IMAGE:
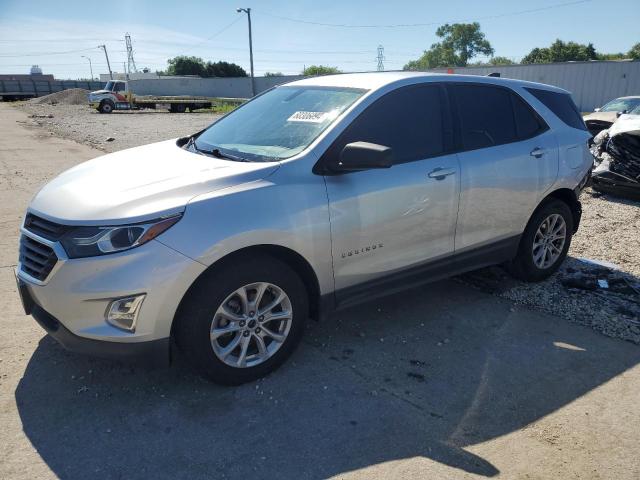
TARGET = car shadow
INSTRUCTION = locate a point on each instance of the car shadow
(425, 373)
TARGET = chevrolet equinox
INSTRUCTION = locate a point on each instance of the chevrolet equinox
(314, 195)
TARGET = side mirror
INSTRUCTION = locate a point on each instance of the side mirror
(364, 156)
(620, 113)
(596, 109)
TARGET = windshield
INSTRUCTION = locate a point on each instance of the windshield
(621, 104)
(279, 124)
(109, 86)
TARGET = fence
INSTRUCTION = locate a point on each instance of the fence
(225, 87)
(592, 84)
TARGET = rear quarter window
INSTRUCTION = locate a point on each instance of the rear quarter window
(528, 122)
(561, 105)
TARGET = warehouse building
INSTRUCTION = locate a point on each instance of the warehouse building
(592, 84)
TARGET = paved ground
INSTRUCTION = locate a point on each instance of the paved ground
(444, 381)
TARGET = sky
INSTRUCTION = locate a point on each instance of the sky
(289, 35)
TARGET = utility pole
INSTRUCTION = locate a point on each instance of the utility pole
(130, 61)
(104, 47)
(380, 58)
(90, 67)
(253, 83)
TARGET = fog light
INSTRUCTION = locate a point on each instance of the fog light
(123, 312)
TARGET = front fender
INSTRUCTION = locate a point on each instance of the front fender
(292, 214)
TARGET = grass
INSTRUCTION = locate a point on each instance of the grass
(221, 107)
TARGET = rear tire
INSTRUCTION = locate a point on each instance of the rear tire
(545, 242)
(229, 307)
(178, 108)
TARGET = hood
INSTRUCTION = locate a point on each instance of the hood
(139, 184)
(602, 116)
(99, 92)
(629, 124)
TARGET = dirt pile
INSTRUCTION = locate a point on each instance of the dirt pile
(72, 96)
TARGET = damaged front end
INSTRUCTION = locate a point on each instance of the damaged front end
(617, 158)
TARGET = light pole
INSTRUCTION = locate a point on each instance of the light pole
(248, 12)
(90, 67)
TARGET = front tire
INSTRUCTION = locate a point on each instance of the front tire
(545, 242)
(243, 320)
(106, 107)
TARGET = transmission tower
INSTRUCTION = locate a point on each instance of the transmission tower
(131, 63)
(380, 58)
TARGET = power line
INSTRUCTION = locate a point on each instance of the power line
(429, 24)
(223, 29)
(48, 53)
(76, 39)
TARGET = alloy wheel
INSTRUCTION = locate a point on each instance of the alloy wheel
(549, 240)
(251, 325)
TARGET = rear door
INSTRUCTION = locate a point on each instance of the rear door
(508, 159)
(384, 221)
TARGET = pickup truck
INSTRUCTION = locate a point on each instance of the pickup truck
(118, 95)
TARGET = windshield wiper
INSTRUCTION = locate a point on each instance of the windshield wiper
(215, 152)
(218, 154)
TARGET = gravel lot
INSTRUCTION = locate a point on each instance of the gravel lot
(444, 381)
(127, 129)
(610, 227)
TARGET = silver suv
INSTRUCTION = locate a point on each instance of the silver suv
(313, 196)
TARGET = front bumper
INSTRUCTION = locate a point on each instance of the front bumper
(71, 304)
(155, 353)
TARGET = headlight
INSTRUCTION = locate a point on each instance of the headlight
(91, 241)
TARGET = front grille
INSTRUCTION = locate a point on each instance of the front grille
(36, 259)
(44, 228)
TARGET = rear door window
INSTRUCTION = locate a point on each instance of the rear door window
(485, 115)
(561, 105)
(410, 120)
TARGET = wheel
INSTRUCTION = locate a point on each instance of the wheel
(178, 108)
(106, 107)
(545, 242)
(242, 321)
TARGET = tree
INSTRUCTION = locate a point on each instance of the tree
(183, 65)
(501, 61)
(224, 69)
(560, 51)
(611, 56)
(460, 43)
(273, 74)
(495, 61)
(635, 52)
(319, 70)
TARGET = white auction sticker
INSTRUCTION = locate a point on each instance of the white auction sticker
(308, 117)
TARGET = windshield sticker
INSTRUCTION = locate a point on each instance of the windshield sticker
(308, 117)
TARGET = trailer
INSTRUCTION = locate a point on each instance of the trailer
(130, 95)
(23, 89)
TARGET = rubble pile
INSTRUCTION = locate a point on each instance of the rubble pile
(617, 158)
(71, 96)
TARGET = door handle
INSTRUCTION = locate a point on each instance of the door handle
(537, 152)
(440, 173)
